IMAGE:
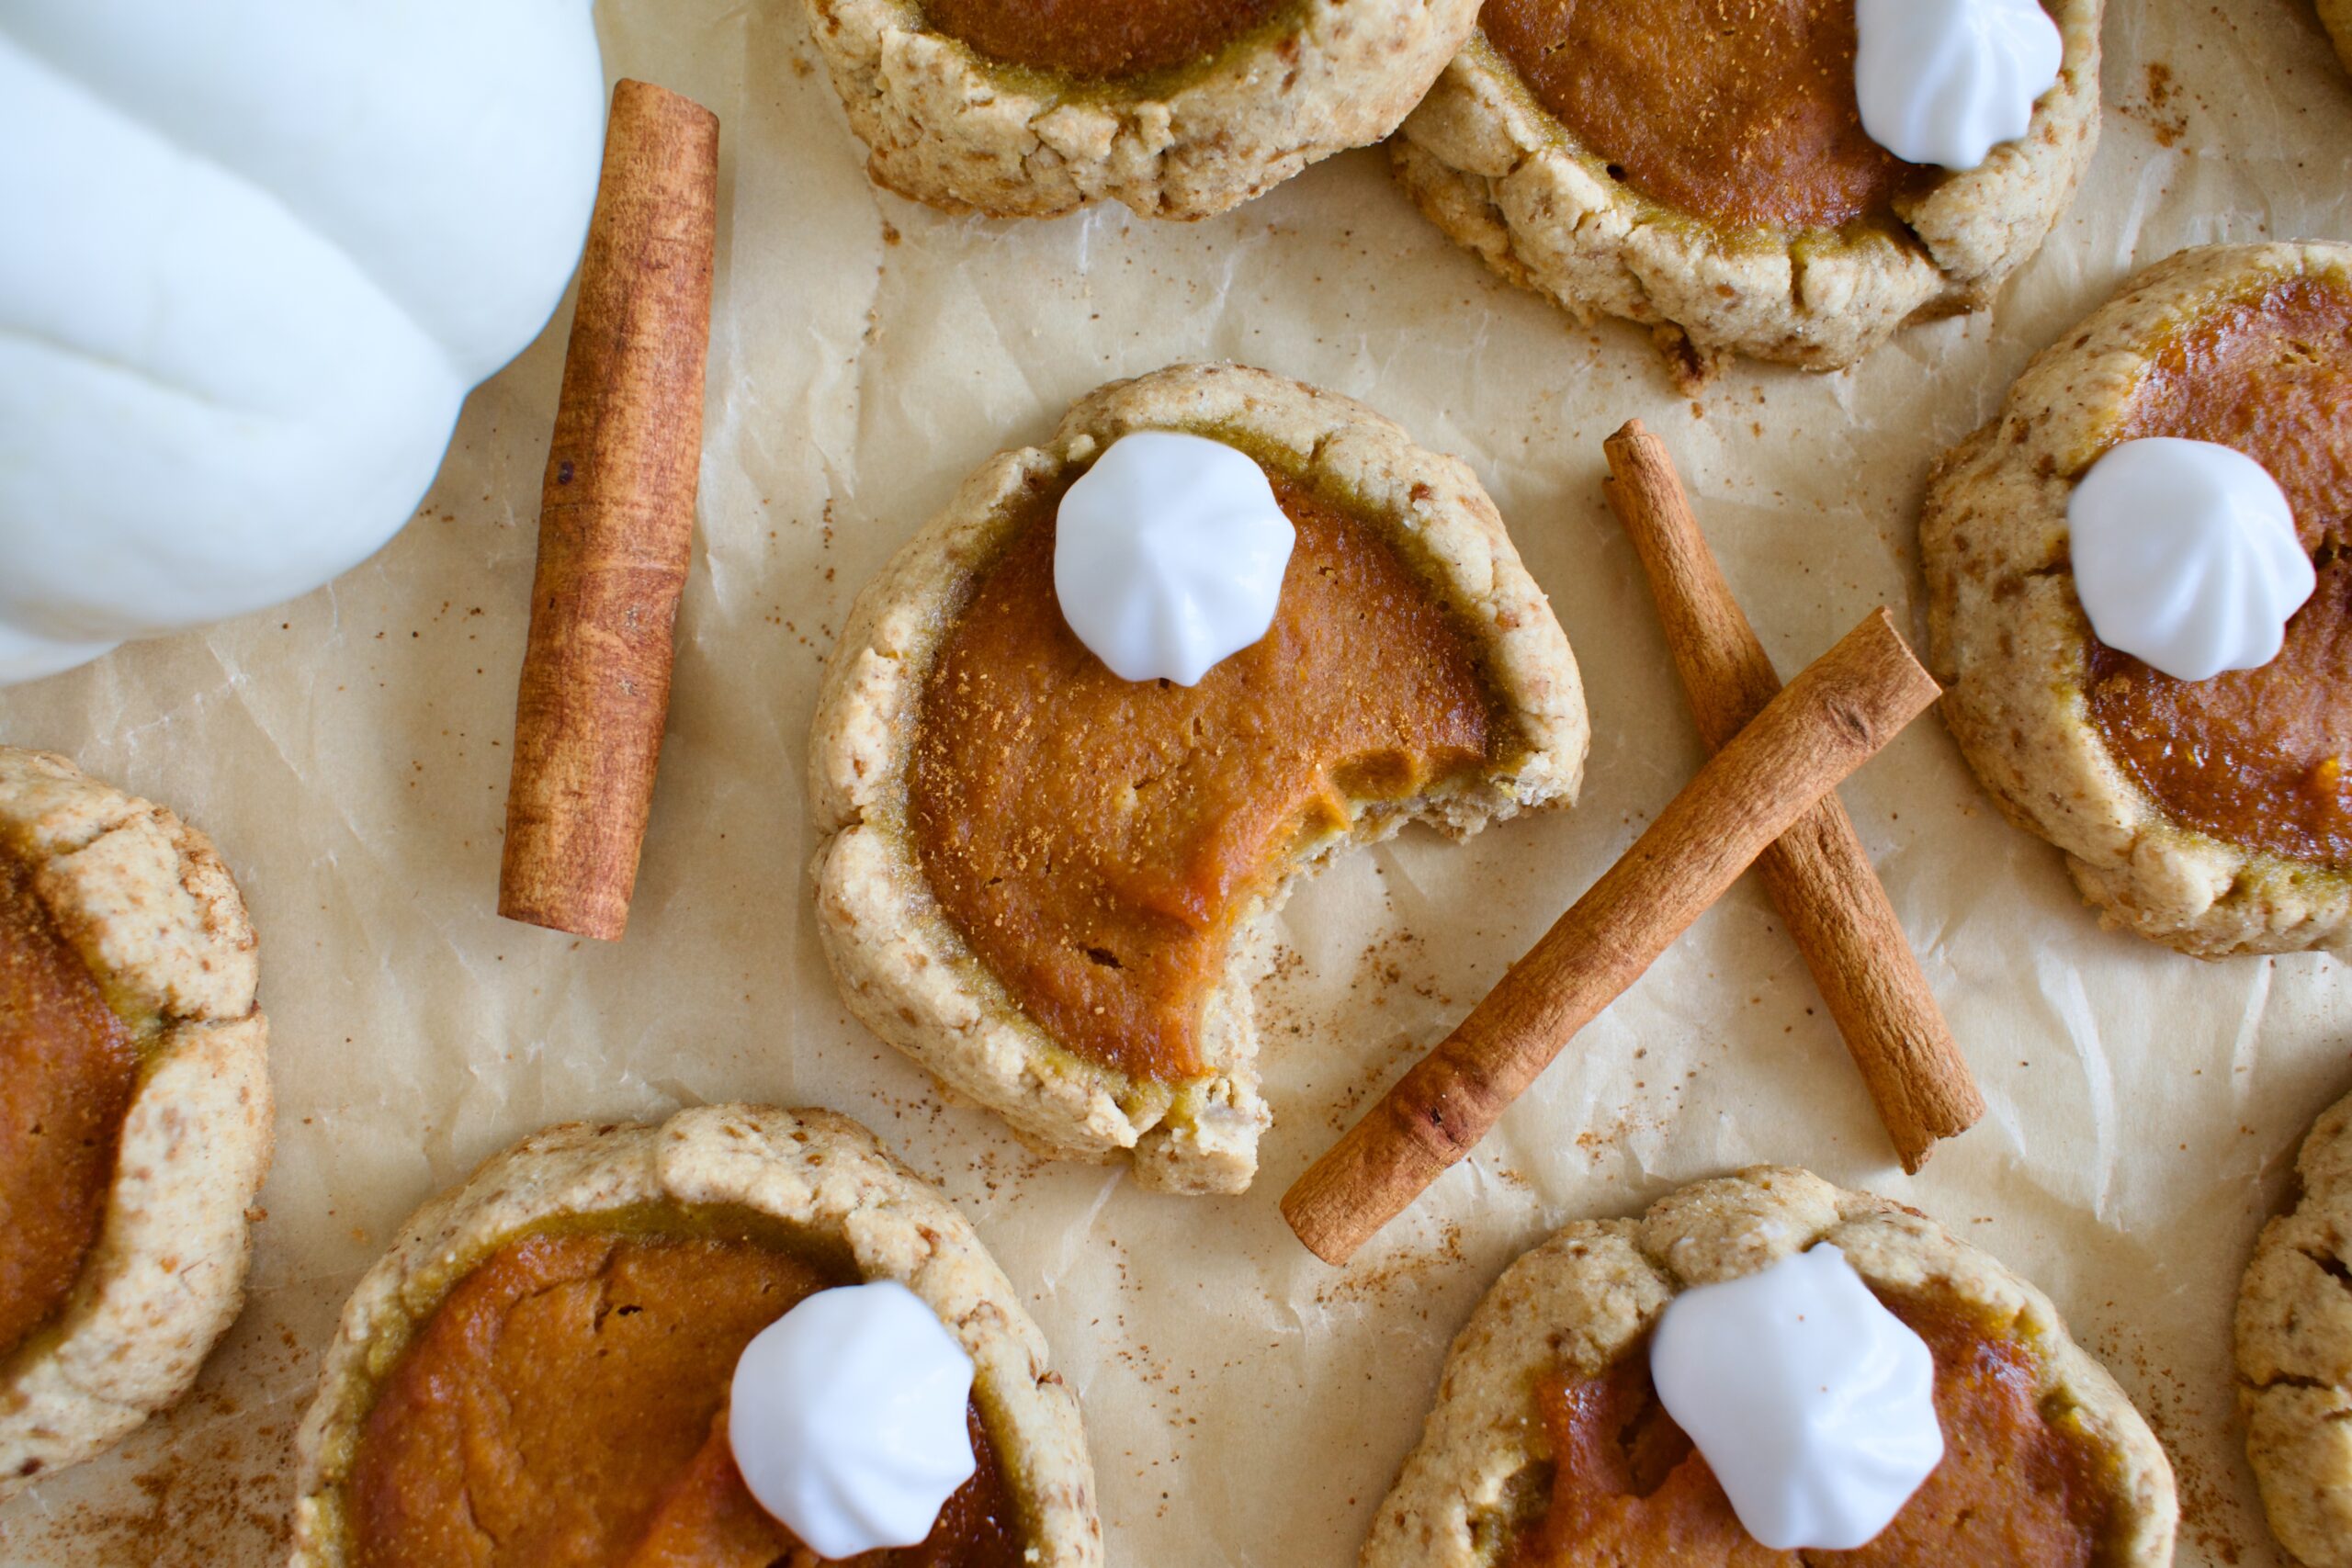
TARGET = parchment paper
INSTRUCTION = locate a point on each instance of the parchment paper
(1245, 1404)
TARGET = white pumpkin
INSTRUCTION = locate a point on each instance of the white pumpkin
(252, 256)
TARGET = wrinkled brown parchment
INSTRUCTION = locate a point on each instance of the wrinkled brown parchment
(1247, 1405)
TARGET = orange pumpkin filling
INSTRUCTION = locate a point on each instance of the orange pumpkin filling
(1740, 112)
(565, 1407)
(67, 1071)
(1099, 38)
(1096, 842)
(2258, 757)
(2020, 1486)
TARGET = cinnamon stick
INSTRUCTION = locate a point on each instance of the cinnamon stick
(1831, 718)
(1817, 872)
(617, 516)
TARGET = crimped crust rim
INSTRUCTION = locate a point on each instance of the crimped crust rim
(947, 126)
(2335, 16)
(2294, 1353)
(146, 900)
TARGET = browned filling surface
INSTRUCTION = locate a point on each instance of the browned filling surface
(1099, 38)
(1739, 112)
(67, 1071)
(1095, 841)
(565, 1407)
(2258, 757)
(2020, 1487)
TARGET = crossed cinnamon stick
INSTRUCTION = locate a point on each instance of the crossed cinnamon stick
(1771, 774)
(1817, 872)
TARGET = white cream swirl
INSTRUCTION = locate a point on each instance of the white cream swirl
(1169, 555)
(847, 1418)
(1813, 1403)
(2186, 557)
(1945, 82)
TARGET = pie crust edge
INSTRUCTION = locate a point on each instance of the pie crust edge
(944, 125)
(2295, 1354)
(148, 903)
(2335, 16)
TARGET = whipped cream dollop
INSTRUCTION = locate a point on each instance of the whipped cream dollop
(847, 1418)
(1168, 555)
(1946, 81)
(1813, 1403)
(2186, 557)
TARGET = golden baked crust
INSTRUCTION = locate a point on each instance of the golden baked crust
(808, 1168)
(906, 972)
(1501, 175)
(947, 126)
(1589, 1295)
(2007, 635)
(2294, 1351)
(2336, 17)
(143, 899)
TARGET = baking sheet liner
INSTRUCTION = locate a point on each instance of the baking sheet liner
(1245, 1404)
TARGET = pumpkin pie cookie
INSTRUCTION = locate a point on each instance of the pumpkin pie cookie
(2211, 815)
(1178, 108)
(2295, 1354)
(537, 1372)
(1701, 166)
(1044, 883)
(134, 1110)
(1549, 1445)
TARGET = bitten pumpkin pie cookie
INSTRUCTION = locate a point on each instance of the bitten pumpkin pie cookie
(2200, 426)
(1178, 109)
(134, 1110)
(1703, 166)
(2294, 1337)
(1766, 1352)
(623, 1347)
(1041, 878)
